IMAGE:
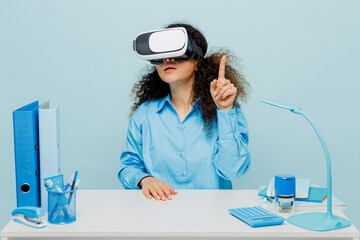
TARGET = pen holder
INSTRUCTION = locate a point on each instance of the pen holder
(61, 207)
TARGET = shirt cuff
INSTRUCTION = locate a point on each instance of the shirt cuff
(139, 178)
(226, 123)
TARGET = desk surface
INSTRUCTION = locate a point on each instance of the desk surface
(191, 214)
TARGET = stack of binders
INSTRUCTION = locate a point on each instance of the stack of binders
(37, 151)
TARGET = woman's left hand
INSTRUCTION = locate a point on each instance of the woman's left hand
(222, 90)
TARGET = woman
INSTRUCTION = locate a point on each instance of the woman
(187, 130)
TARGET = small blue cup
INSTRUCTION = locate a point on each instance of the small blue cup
(61, 207)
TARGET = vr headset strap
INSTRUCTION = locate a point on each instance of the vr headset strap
(196, 49)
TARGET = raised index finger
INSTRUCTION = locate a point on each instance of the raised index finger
(222, 67)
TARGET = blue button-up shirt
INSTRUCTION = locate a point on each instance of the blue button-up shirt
(182, 154)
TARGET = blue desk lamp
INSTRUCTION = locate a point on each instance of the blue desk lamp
(315, 221)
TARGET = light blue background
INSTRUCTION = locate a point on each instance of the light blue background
(80, 53)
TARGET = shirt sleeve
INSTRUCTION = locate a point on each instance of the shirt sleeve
(132, 168)
(231, 156)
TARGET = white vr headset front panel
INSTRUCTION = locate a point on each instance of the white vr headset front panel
(159, 44)
(166, 41)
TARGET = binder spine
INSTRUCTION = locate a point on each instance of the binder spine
(26, 146)
(49, 136)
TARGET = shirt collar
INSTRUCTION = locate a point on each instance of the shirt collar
(162, 102)
(167, 99)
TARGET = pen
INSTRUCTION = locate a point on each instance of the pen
(68, 184)
(77, 183)
(73, 186)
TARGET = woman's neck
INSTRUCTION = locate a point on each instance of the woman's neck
(182, 98)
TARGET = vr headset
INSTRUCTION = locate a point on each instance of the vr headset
(157, 45)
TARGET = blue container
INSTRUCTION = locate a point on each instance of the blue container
(284, 186)
(61, 207)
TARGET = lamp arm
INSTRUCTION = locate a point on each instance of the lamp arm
(327, 156)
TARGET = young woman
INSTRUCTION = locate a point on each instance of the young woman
(187, 130)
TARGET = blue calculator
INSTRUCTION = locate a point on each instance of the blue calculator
(257, 216)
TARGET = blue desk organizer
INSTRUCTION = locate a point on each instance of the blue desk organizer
(62, 207)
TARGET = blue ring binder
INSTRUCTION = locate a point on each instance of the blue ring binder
(26, 146)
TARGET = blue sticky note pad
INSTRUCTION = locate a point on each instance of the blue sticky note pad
(316, 195)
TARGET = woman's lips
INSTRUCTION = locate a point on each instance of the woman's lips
(168, 68)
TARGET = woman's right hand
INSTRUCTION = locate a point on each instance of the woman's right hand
(156, 188)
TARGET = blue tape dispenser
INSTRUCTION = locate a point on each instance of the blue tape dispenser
(30, 216)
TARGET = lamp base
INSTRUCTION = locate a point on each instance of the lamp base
(319, 221)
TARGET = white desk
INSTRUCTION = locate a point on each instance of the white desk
(192, 214)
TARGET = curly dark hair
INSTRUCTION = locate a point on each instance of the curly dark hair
(152, 87)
